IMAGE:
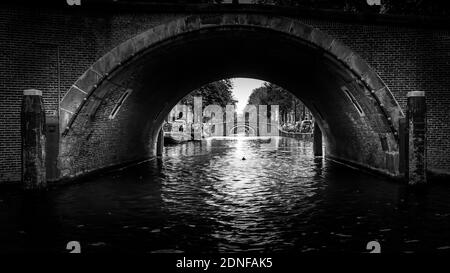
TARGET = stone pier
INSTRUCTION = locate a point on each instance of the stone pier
(416, 118)
(160, 143)
(317, 144)
(33, 140)
(403, 146)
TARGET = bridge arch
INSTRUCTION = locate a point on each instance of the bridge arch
(246, 128)
(145, 76)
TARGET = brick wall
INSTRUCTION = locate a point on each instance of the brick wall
(407, 59)
(30, 41)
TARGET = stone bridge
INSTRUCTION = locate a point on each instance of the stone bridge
(110, 74)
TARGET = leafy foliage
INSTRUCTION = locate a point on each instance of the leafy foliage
(219, 93)
(271, 94)
(398, 7)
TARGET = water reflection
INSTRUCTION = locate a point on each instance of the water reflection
(203, 197)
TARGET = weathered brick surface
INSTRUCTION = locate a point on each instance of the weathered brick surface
(30, 40)
(406, 58)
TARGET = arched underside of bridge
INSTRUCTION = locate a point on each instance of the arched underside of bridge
(354, 109)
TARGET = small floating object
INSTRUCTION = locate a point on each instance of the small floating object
(80, 226)
(155, 230)
(243, 158)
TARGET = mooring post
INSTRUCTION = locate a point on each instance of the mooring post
(317, 141)
(403, 146)
(160, 143)
(416, 117)
(33, 140)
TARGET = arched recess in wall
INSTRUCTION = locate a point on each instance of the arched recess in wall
(354, 108)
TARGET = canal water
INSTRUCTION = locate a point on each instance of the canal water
(229, 195)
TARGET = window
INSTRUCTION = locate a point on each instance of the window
(119, 103)
(353, 100)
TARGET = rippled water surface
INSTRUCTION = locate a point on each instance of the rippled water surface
(229, 195)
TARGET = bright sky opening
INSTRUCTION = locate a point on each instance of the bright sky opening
(242, 88)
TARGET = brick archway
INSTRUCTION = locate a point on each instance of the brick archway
(122, 69)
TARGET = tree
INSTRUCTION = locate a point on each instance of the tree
(219, 93)
(271, 94)
(397, 7)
